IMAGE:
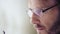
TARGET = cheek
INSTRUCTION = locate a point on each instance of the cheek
(49, 18)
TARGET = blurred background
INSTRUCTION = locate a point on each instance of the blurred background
(14, 18)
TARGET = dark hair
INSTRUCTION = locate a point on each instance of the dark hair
(55, 29)
(58, 1)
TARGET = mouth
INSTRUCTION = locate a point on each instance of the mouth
(39, 27)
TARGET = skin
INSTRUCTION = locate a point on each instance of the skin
(48, 18)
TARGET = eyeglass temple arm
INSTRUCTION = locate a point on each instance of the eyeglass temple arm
(50, 7)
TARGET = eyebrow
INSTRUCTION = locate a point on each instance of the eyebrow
(46, 8)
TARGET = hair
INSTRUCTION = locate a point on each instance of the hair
(58, 1)
(55, 29)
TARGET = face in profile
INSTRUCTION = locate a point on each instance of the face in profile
(42, 20)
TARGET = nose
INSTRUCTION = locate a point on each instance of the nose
(35, 19)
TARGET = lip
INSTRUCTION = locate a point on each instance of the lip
(39, 27)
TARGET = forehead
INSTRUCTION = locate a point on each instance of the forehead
(31, 3)
(40, 3)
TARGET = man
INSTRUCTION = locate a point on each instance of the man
(45, 16)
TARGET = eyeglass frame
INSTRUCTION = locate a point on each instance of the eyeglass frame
(45, 9)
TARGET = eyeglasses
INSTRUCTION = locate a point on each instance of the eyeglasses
(39, 11)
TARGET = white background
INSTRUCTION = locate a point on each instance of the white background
(14, 18)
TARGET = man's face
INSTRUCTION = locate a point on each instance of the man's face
(45, 20)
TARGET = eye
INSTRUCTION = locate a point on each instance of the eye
(37, 11)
